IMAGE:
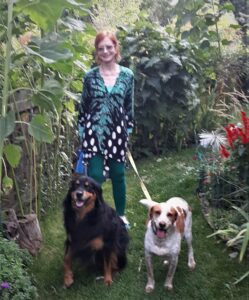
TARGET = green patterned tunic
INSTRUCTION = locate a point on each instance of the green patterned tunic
(107, 116)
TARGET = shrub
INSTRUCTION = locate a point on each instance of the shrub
(224, 180)
(225, 165)
(165, 89)
(15, 282)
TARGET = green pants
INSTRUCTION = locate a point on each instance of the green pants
(117, 176)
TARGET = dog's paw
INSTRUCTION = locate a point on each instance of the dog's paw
(108, 280)
(68, 281)
(168, 286)
(191, 264)
(149, 288)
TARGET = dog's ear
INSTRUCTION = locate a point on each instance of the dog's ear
(147, 203)
(154, 209)
(151, 211)
(180, 219)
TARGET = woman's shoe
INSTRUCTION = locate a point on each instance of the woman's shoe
(126, 222)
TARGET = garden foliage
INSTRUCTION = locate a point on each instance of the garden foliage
(224, 180)
(165, 88)
(44, 53)
(225, 177)
(15, 281)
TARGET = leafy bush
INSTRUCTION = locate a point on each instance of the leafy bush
(224, 180)
(15, 282)
(165, 90)
(225, 165)
(237, 236)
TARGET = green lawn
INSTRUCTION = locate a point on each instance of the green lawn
(171, 175)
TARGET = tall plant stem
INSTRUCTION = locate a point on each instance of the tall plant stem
(31, 177)
(35, 177)
(17, 192)
(6, 88)
(217, 31)
(57, 157)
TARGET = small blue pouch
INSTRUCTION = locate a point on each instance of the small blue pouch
(80, 167)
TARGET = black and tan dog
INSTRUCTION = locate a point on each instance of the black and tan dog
(94, 230)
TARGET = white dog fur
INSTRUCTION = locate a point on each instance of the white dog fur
(168, 222)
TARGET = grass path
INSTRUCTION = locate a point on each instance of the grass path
(172, 175)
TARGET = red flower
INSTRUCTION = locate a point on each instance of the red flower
(224, 152)
(245, 120)
(232, 134)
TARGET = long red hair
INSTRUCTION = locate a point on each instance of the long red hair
(99, 37)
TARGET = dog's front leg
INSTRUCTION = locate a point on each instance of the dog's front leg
(171, 272)
(150, 273)
(68, 274)
(108, 267)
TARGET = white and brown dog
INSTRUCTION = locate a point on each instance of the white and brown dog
(168, 222)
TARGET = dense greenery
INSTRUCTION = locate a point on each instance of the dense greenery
(166, 88)
(191, 71)
(15, 281)
(49, 52)
(179, 83)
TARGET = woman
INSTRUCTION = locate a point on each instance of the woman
(106, 117)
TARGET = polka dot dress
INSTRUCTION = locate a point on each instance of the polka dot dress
(106, 115)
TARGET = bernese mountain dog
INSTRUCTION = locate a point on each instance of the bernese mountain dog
(94, 230)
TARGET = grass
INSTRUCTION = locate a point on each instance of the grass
(172, 175)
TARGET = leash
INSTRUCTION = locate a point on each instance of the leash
(143, 187)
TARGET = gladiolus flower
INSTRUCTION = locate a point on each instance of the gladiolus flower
(223, 152)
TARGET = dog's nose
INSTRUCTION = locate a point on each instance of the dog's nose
(79, 195)
(162, 225)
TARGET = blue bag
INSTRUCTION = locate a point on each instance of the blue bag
(80, 166)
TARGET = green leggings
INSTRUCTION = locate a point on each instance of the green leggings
(117, 176)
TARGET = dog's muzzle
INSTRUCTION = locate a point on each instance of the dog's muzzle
(160, 231)
(79, 198)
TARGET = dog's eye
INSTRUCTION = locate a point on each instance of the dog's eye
(86, 184)
(157, 212)
(170, 215)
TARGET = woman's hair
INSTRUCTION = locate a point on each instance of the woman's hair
(99, 37)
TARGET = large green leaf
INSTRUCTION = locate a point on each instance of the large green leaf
(7, 184)
(7, 125)
(40, 129)
(12, 154)
(154, 60)
(73, 24)
(50, 49)
(155, 83)
(49, 97)
(244, 243)
(45, 13)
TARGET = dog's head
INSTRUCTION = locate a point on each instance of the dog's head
(163, 216)
(85, 194)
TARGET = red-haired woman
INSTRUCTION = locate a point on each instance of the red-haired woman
(106, 117)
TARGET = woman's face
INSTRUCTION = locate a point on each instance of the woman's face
(106, 51)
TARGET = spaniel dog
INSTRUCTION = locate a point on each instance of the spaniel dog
(95, 233)
(168, 222)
